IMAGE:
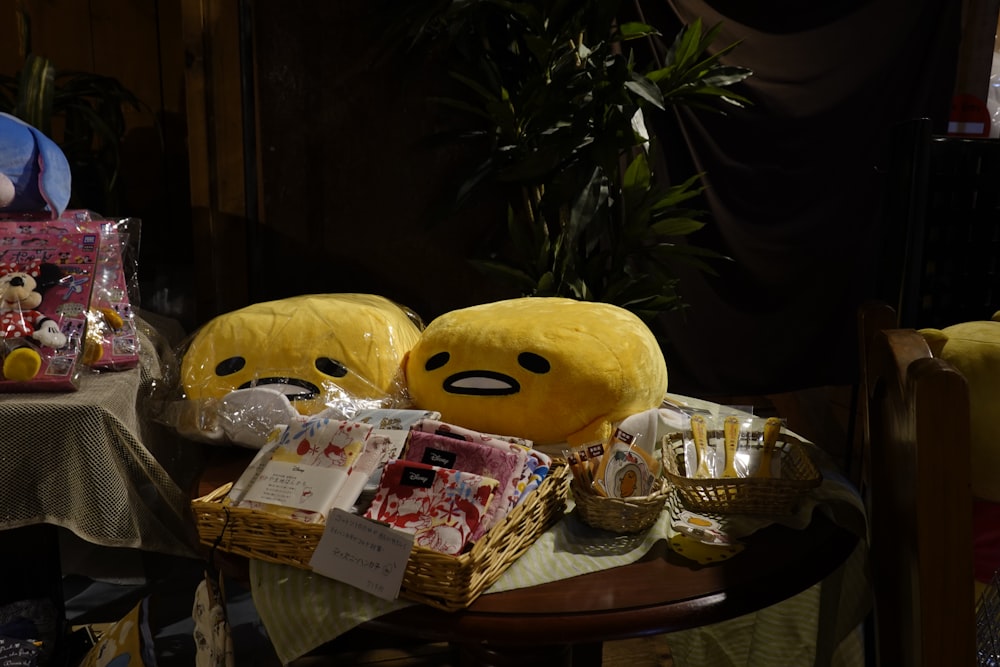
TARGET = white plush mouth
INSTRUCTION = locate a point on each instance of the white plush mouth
(481, 383)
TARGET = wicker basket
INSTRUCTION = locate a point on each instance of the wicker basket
(436, 579)
(745, 495)
(620, 515)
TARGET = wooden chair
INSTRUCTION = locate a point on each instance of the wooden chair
(915, 474)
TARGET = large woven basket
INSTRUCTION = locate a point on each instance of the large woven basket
(745, 495)
(436, 579)
(620, 515)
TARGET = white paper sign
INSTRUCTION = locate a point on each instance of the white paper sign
(363, 553)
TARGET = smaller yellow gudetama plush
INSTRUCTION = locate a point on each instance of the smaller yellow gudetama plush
(550, 369)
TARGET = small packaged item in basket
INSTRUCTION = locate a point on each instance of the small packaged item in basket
(630, 466)
(440, 507)
(300, 476)
(583, 462)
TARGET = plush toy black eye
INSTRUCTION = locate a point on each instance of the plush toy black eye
(230, 366)
(331, 367)
(437, 361)
(534, 362)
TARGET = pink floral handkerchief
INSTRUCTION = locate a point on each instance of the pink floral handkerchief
(440, 507)
(537, 463)
(502, 461)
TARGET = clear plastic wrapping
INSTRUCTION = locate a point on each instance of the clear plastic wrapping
(729, 446)
(67, 289)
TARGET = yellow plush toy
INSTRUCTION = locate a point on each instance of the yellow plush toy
(267, 362)
(973, 348)
(550, 369)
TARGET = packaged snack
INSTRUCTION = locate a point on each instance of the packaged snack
(631, 465)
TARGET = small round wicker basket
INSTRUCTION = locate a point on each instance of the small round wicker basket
(620, 515)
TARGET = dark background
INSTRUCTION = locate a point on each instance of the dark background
(282, 152)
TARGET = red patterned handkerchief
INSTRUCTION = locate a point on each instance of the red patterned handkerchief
(441, 507)
(503, 461)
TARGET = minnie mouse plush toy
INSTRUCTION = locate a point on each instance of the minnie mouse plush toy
(22, 326)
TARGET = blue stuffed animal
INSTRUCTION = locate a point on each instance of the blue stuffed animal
(34, 173)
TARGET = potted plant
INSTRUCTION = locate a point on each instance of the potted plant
(556, 110)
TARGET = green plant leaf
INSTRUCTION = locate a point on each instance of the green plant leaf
(635, 30)
(676, 227)
(36, 93)
(646, 89)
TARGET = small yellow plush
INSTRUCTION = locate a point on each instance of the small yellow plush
(973, 348)
(301, 354)
(549, 369)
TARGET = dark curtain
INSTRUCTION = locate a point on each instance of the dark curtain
(794, 182)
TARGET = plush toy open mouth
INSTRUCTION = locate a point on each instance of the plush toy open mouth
(293, 388)
(481, 383)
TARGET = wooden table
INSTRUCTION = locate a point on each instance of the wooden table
(566, 621)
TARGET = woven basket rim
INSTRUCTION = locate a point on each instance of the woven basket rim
(662, 489)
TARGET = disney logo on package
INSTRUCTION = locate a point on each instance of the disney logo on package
(439, 458)
(417, 477)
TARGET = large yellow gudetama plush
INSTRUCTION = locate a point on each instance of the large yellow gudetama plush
(313, 348)
(550, 369)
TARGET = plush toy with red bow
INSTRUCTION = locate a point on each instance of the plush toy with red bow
(26, 329)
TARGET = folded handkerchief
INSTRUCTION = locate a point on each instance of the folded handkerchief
(440, 507)
(536, 468)
(430, 425)
(502, 461)
(301, 476)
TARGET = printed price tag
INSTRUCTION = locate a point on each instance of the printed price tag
(363, 553)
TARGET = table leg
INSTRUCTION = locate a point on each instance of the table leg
(509, 655)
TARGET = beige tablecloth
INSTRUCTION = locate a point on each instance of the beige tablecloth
(87, 461)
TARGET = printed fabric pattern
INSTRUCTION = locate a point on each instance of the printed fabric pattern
(502, 461)
(440, 507)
